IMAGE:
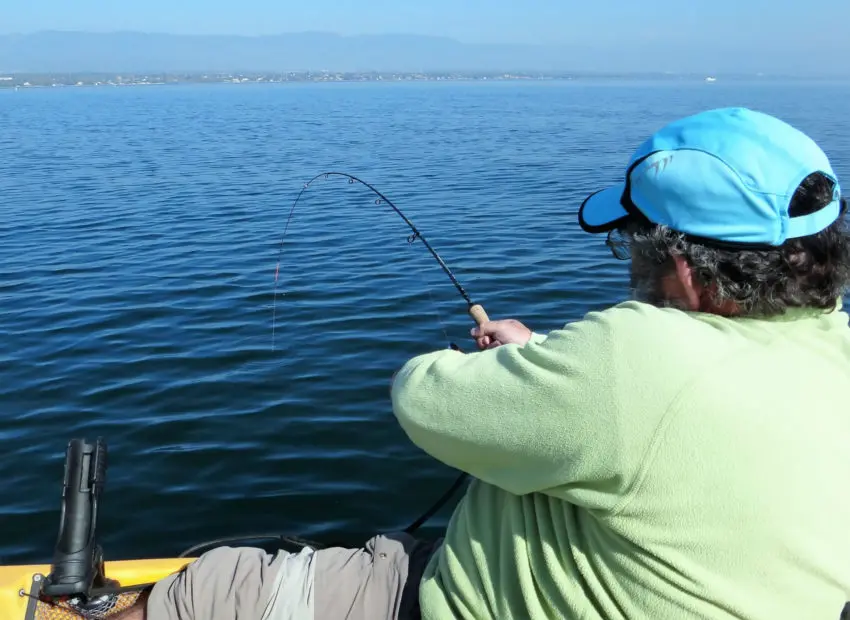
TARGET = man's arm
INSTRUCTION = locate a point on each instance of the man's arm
(555, 415)
(522, 417)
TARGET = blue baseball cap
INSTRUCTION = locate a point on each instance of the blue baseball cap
(724, 176)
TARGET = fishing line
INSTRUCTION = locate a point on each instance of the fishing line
(428, 285)
(476, 311)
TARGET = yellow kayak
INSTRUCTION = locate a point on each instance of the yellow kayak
(79, 583)
(19, 584)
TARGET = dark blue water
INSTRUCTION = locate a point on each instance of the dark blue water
(138, 243)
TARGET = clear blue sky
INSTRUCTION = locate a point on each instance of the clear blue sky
(808, 25)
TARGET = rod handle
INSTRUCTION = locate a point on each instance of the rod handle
(476, 311)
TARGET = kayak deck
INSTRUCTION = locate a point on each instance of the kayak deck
(16, 585)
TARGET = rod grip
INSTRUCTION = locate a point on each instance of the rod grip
(476, 311)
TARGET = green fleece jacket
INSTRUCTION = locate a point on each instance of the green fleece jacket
(642, 463)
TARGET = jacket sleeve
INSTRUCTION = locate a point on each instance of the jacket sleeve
(554, 416)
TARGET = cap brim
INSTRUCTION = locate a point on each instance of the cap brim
(602, 211)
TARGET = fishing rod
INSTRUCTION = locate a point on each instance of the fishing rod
(475, 310)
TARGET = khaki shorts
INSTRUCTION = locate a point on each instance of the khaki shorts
(379, 581)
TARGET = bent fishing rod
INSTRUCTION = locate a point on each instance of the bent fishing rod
(475, 310)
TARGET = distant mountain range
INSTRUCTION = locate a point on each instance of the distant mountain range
(55, 51)
(133, 51)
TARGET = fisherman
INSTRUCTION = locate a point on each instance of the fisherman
(679, 455)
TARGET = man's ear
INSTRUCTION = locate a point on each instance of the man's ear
(688, 290)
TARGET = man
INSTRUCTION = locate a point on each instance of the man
(682, 455)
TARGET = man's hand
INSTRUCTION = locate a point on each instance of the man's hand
(496, 333)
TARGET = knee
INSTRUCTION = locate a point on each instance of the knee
(226, 582)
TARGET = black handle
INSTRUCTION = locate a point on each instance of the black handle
(77, 559)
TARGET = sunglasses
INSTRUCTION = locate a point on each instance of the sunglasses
(617, 243)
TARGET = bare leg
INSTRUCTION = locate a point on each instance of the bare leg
(138, 611)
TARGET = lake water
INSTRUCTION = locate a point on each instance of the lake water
(139, 240)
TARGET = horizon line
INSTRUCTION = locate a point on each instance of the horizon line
(503, 74)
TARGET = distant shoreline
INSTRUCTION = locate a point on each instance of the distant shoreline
(100, 79)
(246, 77)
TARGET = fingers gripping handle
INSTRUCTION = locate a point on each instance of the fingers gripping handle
(476, 311)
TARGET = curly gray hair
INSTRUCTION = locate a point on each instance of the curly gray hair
(807, 272)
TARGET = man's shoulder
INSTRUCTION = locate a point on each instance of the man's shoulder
(643, 331)
(633, 310)
(632, 318)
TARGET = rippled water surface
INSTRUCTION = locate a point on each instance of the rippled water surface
(138, 244)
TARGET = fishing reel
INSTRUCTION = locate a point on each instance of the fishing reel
(96, 608)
